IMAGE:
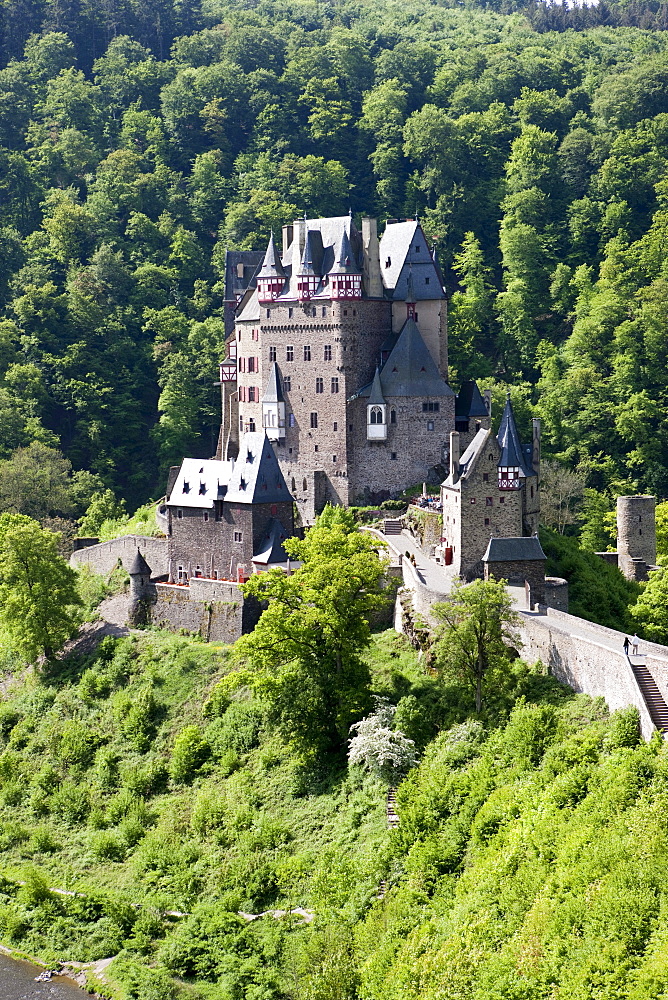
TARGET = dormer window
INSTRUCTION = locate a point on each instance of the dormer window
(242, 483)
(202, 489)
(249, 456)
(186, 487)
(388, 262)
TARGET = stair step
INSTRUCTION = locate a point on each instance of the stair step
(656, 705)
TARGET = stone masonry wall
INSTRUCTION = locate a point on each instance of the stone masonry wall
(520, 572)
(103, 558)
(216, 610)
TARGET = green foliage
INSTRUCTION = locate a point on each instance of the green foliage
(189, 754)
(650, 612)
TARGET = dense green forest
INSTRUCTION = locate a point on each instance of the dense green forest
(139, 141)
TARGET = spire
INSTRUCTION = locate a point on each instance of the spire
(376, 397)
(274, 391)
(509, 440)
(344, 258)
(410, 290)
(308, 257)
(272, 266)
(139, 566)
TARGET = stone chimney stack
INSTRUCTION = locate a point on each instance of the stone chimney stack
(454, 455)
(535, 446)
(372, 278)
(487, 396)
(298, 241)
(287, 238)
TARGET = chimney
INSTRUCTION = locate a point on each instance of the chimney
(535, 446)
(372, 278)
(487, 396)
(287, 238)
(454, 455)
(298, 241)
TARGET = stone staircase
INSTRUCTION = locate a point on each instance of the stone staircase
(656, 705)
(392, 526)
(392, 817)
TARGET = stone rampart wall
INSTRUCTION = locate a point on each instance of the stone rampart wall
(584, 664)
(102, 558)
(214, 609)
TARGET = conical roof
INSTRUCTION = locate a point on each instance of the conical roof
(270, 549)
(470, 402)
(376, 398)
(344, 258)
(139, 566)
(274, 391)
(310, 254)
(509, 441)
(272, 266)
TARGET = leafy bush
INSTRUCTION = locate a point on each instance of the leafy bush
(238, 729)
(77, 745)
(71, 802)
(145, 778)
(107, 845)
(190, 752)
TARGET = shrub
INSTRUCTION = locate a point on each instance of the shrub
(189, 754)
(71, 802)
(12, 793)
(107, 845)
(106, 769)
(121, 805)
(77, 745)
(238, 728)
(145, 778)
(43, 841)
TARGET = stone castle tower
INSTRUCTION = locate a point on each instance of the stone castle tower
(340, 346)
(636, 536)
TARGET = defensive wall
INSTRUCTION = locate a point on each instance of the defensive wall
(214, 609)
(104, 557)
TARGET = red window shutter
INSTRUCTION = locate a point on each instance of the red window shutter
(257, 393)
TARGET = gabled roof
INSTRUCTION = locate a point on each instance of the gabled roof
(514, 550)
(410, 370)
(272, 266)
(470, 456)
(256, 477)
(199, 482)
(274, 390)
(470, 402)
(270, 549)
(236, 285)
(139, 566)
(376, 397)
(512, 453)
(404, 253)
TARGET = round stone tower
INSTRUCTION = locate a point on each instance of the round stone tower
(636, 535)
(140, 579)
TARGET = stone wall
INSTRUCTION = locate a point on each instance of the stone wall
(636, 534)
(214, 609)
(584, 664)
(103, 558)
(425, 526)
(519, 573)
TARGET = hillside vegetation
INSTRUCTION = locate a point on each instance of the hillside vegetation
(529, 861)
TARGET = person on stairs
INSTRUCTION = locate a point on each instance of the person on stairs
(634, 645)
(627, 643)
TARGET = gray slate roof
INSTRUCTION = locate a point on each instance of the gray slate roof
(274, 391)
(270, 549)
(410, 370)
(139, 566)
(272, 266)
(514, 550)
(256, 477)
(403, 244)
(376, 397)
(512, 453)
(199, 482)
(470, 402)
(234, 285)
(467, 459)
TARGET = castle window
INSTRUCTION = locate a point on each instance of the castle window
(251, 426)
(350, 428)
(488, 502)
(393, 416)
(333, 458)
(186, 487)
(319, 385)
(426, 281)
(532, 491)
(198, 571)
(376, 415)
(472, 500)
(293, 484)
(417, 249)
(335, 385)
(640, 531)
(238, 536)
(486, 520)
(430, 425)
(335, 426)
(268, 313)
(291, 420)
(316, 448)
(240, 270)
(345, 313)
(431, 407)
(289, 353)
(314, 420)
(324, 310)
(251, 364)
(202, 489)
(485, 477)
(179, 513)
(272, 354)
(287, 383)
(307, 352)
(502, 499)
(393, 456)
(304, 486)
(181, 575)
(328, 352)
(241, 423)
(251, 393)
(290, 313)
(273, 509)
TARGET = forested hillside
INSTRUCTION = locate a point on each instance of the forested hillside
(139, 141)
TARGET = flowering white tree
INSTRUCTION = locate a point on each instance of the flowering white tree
(383, 751)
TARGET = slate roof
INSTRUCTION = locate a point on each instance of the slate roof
(272, 265)
(376, 397)
(512, 452)
(403, 244)
(234, 285)
(139, 566)
(410, 370)
(467, 459)
(256, 477)
(274, 390)
(270, 549)
(199, 482)
(344, 259)
(514, 550)
(470, 402)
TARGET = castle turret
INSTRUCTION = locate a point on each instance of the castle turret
(345, 277)
(140, 580)
(271, 276)
(636, 535)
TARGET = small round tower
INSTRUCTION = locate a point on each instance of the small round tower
(636, 535)
(140, 579)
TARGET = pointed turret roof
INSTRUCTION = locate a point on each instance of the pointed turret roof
(139, 566)
(376, 398)
(257, 476)
(512, 455)
(410, 289)
(272, 266)
(270, 549)
(410, 369)
(274, 391)
(344, 258)
(470, 402)
(312, 253)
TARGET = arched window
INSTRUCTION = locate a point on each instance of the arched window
(393, 416)
(304, 486)
(294, 485)
(376, 416)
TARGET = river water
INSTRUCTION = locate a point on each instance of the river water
(17, 982)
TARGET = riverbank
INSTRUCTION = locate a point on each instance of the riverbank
(18, 981)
